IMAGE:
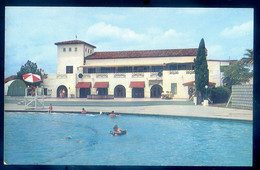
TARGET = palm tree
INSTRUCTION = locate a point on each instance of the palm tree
(249, 59)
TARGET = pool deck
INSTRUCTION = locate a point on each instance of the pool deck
(185, 111)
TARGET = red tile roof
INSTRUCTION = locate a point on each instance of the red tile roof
(10, 78)
(144, 53)
(73, 42)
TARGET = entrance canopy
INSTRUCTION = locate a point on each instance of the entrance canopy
(192, 83)
(83, 85)
(136, 84)
(101, 85)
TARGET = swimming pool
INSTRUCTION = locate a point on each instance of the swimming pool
(75, 139)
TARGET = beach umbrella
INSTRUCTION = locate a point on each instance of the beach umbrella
(31, 78)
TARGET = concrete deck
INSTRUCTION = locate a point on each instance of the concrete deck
(188, 111)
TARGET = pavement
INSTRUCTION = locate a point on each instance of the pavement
(168, 109)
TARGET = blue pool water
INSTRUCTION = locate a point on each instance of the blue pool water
(41, 138)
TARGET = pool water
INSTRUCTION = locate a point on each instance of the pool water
(76, 139)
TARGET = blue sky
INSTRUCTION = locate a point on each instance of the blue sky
(30, 32)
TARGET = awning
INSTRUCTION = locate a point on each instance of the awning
(136, 84)
(83, 85)
(192, 83)
(101, 85)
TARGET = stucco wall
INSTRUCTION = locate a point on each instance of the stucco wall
(139, 61)
(71, 58)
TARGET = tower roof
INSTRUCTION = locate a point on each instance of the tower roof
(74, 42)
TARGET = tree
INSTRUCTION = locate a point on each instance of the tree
(249, 59)
(28, 67)
(201, 70)
(236, 74)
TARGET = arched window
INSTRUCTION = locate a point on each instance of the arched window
(62, 91)
(119, 91)
(156, 91)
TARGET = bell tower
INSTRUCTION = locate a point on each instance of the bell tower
(71, 55)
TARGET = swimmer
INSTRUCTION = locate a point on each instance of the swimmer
(67, 138)
(113, 114)
(118, 131)
(83, 111)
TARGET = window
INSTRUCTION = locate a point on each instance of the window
(102, 91)
(141, 69)
(69, 69)
(157, 68)
(182, 67)
(88, 50)
(76, 49)
(64, 49)
(173, 67)
(174, 88)
(124, 69)
(85, 70)
(91, 70)
(69, 49)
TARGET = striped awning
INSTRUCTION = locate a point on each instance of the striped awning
(83, 85)
(136, 84)
(101, 85)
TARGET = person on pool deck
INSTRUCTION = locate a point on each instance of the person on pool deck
(83, 111)
(50, 109)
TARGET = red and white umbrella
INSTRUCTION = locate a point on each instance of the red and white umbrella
(31, 78)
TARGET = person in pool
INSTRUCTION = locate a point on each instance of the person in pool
(117, 131)
(83, 111)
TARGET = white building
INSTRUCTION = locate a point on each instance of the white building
(81, 72)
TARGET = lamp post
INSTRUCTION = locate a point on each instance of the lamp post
(206, 94)
(206, 102)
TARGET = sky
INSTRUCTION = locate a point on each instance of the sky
(30, 32)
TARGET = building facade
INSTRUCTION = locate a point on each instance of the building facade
(84, 73)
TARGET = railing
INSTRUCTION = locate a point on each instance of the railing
(190, 72)
(120, 75)
(137, 75)
(86, 76)
(102, 76)
(174, 72)
(153, 75)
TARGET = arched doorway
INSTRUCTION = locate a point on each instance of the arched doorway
(83, 92)
(138, 93)
(62, 92)
(156, 91)
(119, 91)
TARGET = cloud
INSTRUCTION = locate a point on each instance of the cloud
(238, 30)
(106, 37)
(103, 30)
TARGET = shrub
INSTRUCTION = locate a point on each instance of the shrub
(219, 94)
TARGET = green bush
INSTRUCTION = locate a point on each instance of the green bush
(219, 94)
